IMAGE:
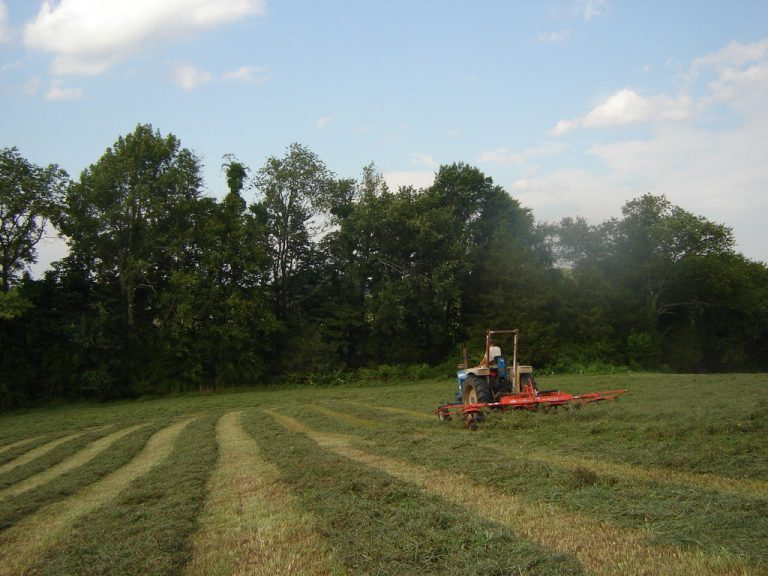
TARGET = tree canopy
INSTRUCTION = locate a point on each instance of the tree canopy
(167, 289)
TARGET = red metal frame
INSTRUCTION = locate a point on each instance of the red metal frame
(528, 399)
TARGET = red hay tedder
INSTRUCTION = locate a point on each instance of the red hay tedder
(493, 384)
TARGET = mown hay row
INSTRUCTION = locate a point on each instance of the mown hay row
(752, 488)
(24, 543)
(18, 443)
(35, 453)
(391, 410)
(78, 459)
(251, 524)
(603, 548)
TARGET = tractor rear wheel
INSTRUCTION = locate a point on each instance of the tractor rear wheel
(477, 390)
(481, 387)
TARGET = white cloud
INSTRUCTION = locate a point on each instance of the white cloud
(189, 77)
(571, 192)
(248, 74)
(325, 121)
(9, 66)
(589, 9)
(423, 160)
(31, 86)
(741, 78)
(57, 91)
(710, 160)
(89, 36)
(5, 32)
(417, 179)
(506, 156)
(628, 107)
(554, 37)
(735, 54)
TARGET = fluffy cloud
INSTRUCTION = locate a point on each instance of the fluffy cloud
(735, 54)
(57, 91)
(417, 179)
(709, 160)
(506, 156)
(741, 74)
(628, 107)
(554, 37)
(423, 160)
(570, 192)
(325, 121)
(88, 36)
(5, 33)
(10, 66)
(251, 74)
(189, 77)
(589, 9)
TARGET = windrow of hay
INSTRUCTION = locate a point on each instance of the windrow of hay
(24, 543)
(251, 524)
(344, 417)
(741, 487)
(18, 443)
(603, 548)
(82, 457)
(35, 453)
(403, 411)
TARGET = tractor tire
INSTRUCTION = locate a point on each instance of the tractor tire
(482, 389)
(469, 391)
(477, 390)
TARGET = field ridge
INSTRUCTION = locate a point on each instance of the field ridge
(36, 453)
(23, 543)
(603, 548)
(251, 524)
(750, 487)
(78, 459)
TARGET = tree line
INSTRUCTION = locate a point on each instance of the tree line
(165, 289)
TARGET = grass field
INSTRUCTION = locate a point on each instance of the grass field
(672, 479)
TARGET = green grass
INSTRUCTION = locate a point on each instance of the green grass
(14, 509)
(384, 526)
(146, 530)
(678, 464)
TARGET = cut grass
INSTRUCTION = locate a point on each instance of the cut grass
(147, 527)
(727, 525)
(753, 488)
(603, 548)
(251, 523)
(26, 541)
(380, 525)
(36, 453)
(12, 510)
(76, 460)
(18, 444)
(680, 460)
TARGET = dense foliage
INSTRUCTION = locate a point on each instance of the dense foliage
(165, 289)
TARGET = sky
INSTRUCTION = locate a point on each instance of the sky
(573, 106)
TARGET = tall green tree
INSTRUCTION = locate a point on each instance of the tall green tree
(293, 204)
(216, 317)
(28, 194)
(636, 266)
(128, 213)
(127, 221)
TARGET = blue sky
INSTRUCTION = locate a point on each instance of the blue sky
(573, 106)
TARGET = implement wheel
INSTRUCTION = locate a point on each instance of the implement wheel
(476, 391)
